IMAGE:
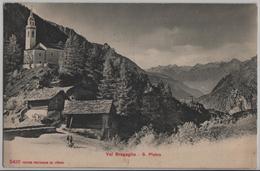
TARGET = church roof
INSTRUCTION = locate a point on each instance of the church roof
(45, 46)
(40, 46)
(55, 46)
(87, 107)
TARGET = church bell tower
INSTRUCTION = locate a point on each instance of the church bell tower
(30, 36)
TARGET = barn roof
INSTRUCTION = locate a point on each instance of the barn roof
(45, 93)
(87, 107)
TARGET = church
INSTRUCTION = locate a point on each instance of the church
(39, 54)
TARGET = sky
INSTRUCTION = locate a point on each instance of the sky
(162, 34)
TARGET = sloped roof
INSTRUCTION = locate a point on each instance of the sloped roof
(45, 46)
(54, 46)
(87, 107)
(45, 93)
(40, 46)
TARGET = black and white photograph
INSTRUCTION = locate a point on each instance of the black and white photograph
(129, 85)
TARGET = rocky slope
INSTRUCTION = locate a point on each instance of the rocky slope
(99, 68)
(203, 77)
(236, 91)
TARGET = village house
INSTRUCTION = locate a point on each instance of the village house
(91, 114)
(39, 54)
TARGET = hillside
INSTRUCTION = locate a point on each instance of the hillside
(236, 91)
(202, 77)
(99, 68)
(179, 90)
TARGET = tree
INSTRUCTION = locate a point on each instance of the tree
(12, 54)
(108, 70)
(72, 64)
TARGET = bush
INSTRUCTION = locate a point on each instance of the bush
(145, 136)
(115, 142)
(246, 125)
(212, 130)
(14, 103)
(187, 133)
(11, 104)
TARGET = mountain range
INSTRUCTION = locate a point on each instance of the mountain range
(201, 77)
(227, 86)
(179, 89)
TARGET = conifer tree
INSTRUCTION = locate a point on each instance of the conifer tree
(72, 64)
(12, 54)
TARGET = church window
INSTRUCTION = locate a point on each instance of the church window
(32, 33)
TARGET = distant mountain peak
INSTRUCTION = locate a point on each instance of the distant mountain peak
(236, 91)
(203, 77)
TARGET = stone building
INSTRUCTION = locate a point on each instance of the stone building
(39, 54)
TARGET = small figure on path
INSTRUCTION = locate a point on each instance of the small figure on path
(70, 141)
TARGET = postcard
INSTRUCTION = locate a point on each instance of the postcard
(129, 85)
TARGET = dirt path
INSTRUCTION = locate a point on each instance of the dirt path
(50, 150)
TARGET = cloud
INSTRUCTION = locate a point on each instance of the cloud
(191, 55)
(163, 46)
(162, 34)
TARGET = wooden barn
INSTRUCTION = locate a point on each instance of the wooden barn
(48, 106)
(91, 114)
(37, 109)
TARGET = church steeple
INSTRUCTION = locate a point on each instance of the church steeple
(30, 39)
(31, 21)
